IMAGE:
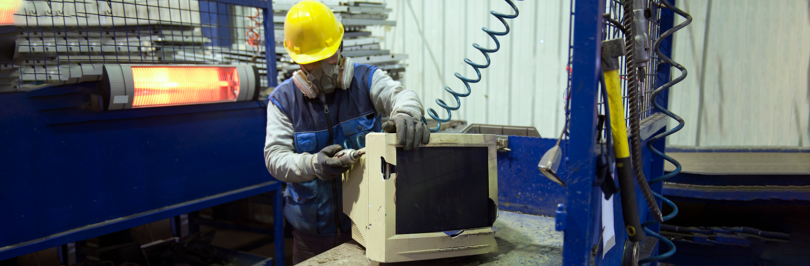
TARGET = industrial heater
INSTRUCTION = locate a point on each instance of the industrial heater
(142, 86)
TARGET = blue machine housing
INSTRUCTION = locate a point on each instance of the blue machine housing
(68, 171)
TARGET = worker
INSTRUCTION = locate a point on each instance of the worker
(329, 101)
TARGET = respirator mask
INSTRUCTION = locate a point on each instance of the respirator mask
(325, 77)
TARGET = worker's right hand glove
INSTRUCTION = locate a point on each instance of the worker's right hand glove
(326, 167)
(410, 132)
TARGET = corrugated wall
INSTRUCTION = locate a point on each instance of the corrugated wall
(749, 60)
(753, 78)
(525, 83)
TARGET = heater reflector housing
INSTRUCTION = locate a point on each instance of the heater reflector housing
(141, 86)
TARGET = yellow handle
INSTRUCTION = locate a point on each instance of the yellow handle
(613, 86)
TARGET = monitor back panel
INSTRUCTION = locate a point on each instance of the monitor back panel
(409, 205)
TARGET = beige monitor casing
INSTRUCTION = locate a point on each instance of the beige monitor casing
(368, 200)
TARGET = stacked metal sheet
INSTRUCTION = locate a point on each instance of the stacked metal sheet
(56, 42)
(358, 43)
(61, 42)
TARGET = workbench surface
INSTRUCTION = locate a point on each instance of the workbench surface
(523, 239)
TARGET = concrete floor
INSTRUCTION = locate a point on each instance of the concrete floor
(523, 239)
(231, 239)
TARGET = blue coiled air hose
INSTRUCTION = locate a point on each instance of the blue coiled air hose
(666, 60)
(431, 112)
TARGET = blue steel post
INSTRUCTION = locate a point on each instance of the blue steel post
(662, 76)
(272, 76)
(278, 227)
(583, 197)
(270, 45)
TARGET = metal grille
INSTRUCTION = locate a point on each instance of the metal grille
(609, 31)
(66, 42)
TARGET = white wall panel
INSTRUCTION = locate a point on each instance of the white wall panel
(525, 83)
(754, 74)
(754, 93)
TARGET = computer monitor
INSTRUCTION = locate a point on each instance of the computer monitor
(439, 201)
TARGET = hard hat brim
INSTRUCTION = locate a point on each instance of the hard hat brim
(312, 57)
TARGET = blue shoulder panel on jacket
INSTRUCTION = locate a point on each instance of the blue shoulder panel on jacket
(277, 104)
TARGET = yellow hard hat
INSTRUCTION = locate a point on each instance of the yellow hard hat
(311, 32)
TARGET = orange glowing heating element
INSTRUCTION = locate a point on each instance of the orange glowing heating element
(163, 86)
(7, 9)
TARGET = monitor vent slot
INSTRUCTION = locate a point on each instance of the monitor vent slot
(357, 235)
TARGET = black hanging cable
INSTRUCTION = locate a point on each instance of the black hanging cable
(666, 62)
(634, 113)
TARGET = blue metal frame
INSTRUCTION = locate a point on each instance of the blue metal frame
(216, 23)
(583, 223)
(111, 226)
(521, 186)
(72, 174)
(269, 35)
(583, 198)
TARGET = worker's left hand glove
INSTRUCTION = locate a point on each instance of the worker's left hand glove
(410, 132)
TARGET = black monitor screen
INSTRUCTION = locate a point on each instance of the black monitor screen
(442, 189)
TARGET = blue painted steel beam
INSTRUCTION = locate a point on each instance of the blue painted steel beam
(272, 76)
(583, 198)
(278, 228)
(270, 45)
(115, 225)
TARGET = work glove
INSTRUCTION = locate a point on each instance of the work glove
(327, 167)
(410, 132)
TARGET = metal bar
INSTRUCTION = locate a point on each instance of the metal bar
(122, 223)
(177, 226)
(278, 228)
(151, 112)
(583, 198)
(229, 225)
(652, 124)
(63, 253)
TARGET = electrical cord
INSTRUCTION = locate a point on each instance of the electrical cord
(253, 36)
(477, 67)
(672, 63)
